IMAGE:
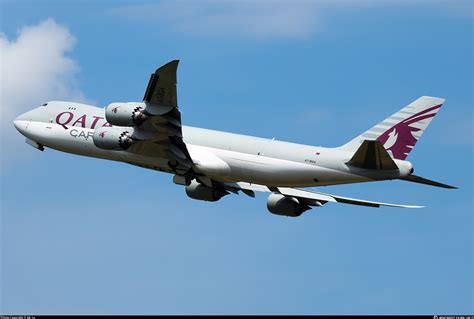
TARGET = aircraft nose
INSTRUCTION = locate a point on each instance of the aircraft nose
(21, 124)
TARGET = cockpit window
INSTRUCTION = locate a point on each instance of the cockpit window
(45, 104)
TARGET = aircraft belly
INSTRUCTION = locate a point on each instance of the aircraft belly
(226, 165)
(287, 174)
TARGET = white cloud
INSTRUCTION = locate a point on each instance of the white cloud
(260, 18)
(35, 68)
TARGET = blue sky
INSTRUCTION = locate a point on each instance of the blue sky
(82, 235)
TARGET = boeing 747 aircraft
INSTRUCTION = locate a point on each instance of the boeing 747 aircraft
(211, 164)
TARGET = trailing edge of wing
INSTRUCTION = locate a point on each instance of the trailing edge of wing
(312, 198)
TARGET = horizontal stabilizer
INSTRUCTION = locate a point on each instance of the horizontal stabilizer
(372, 155)
(421, 180)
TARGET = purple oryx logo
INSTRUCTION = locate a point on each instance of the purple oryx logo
(399, 139)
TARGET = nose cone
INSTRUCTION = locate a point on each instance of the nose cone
(21, 122)
(21, 125)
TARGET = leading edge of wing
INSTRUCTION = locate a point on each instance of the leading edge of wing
(314, 198)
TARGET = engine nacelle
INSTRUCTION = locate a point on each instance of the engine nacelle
(279, 204)
(198, 191)
(125, 114)
(113, 138)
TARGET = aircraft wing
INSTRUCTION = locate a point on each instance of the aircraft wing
(310, 198)
(163, 126)
(161, 89)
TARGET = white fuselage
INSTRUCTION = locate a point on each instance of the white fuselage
(227, 157)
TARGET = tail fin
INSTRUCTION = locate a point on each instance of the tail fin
(400, 132)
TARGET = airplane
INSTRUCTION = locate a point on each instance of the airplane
(212, 164)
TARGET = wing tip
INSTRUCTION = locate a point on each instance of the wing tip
(173, 64)
(413, 206)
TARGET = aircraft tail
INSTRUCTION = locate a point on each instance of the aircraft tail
(372, 155)
(422, 180)
(399, 132)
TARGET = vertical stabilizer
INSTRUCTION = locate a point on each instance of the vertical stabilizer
(400, 132)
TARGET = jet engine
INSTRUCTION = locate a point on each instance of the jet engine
(113, 138)
(125, 114)
(279, 204)
(199, 191)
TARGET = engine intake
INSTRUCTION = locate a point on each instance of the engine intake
(125, 114)
(113, 138)
(279, 204)
(198, 191)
